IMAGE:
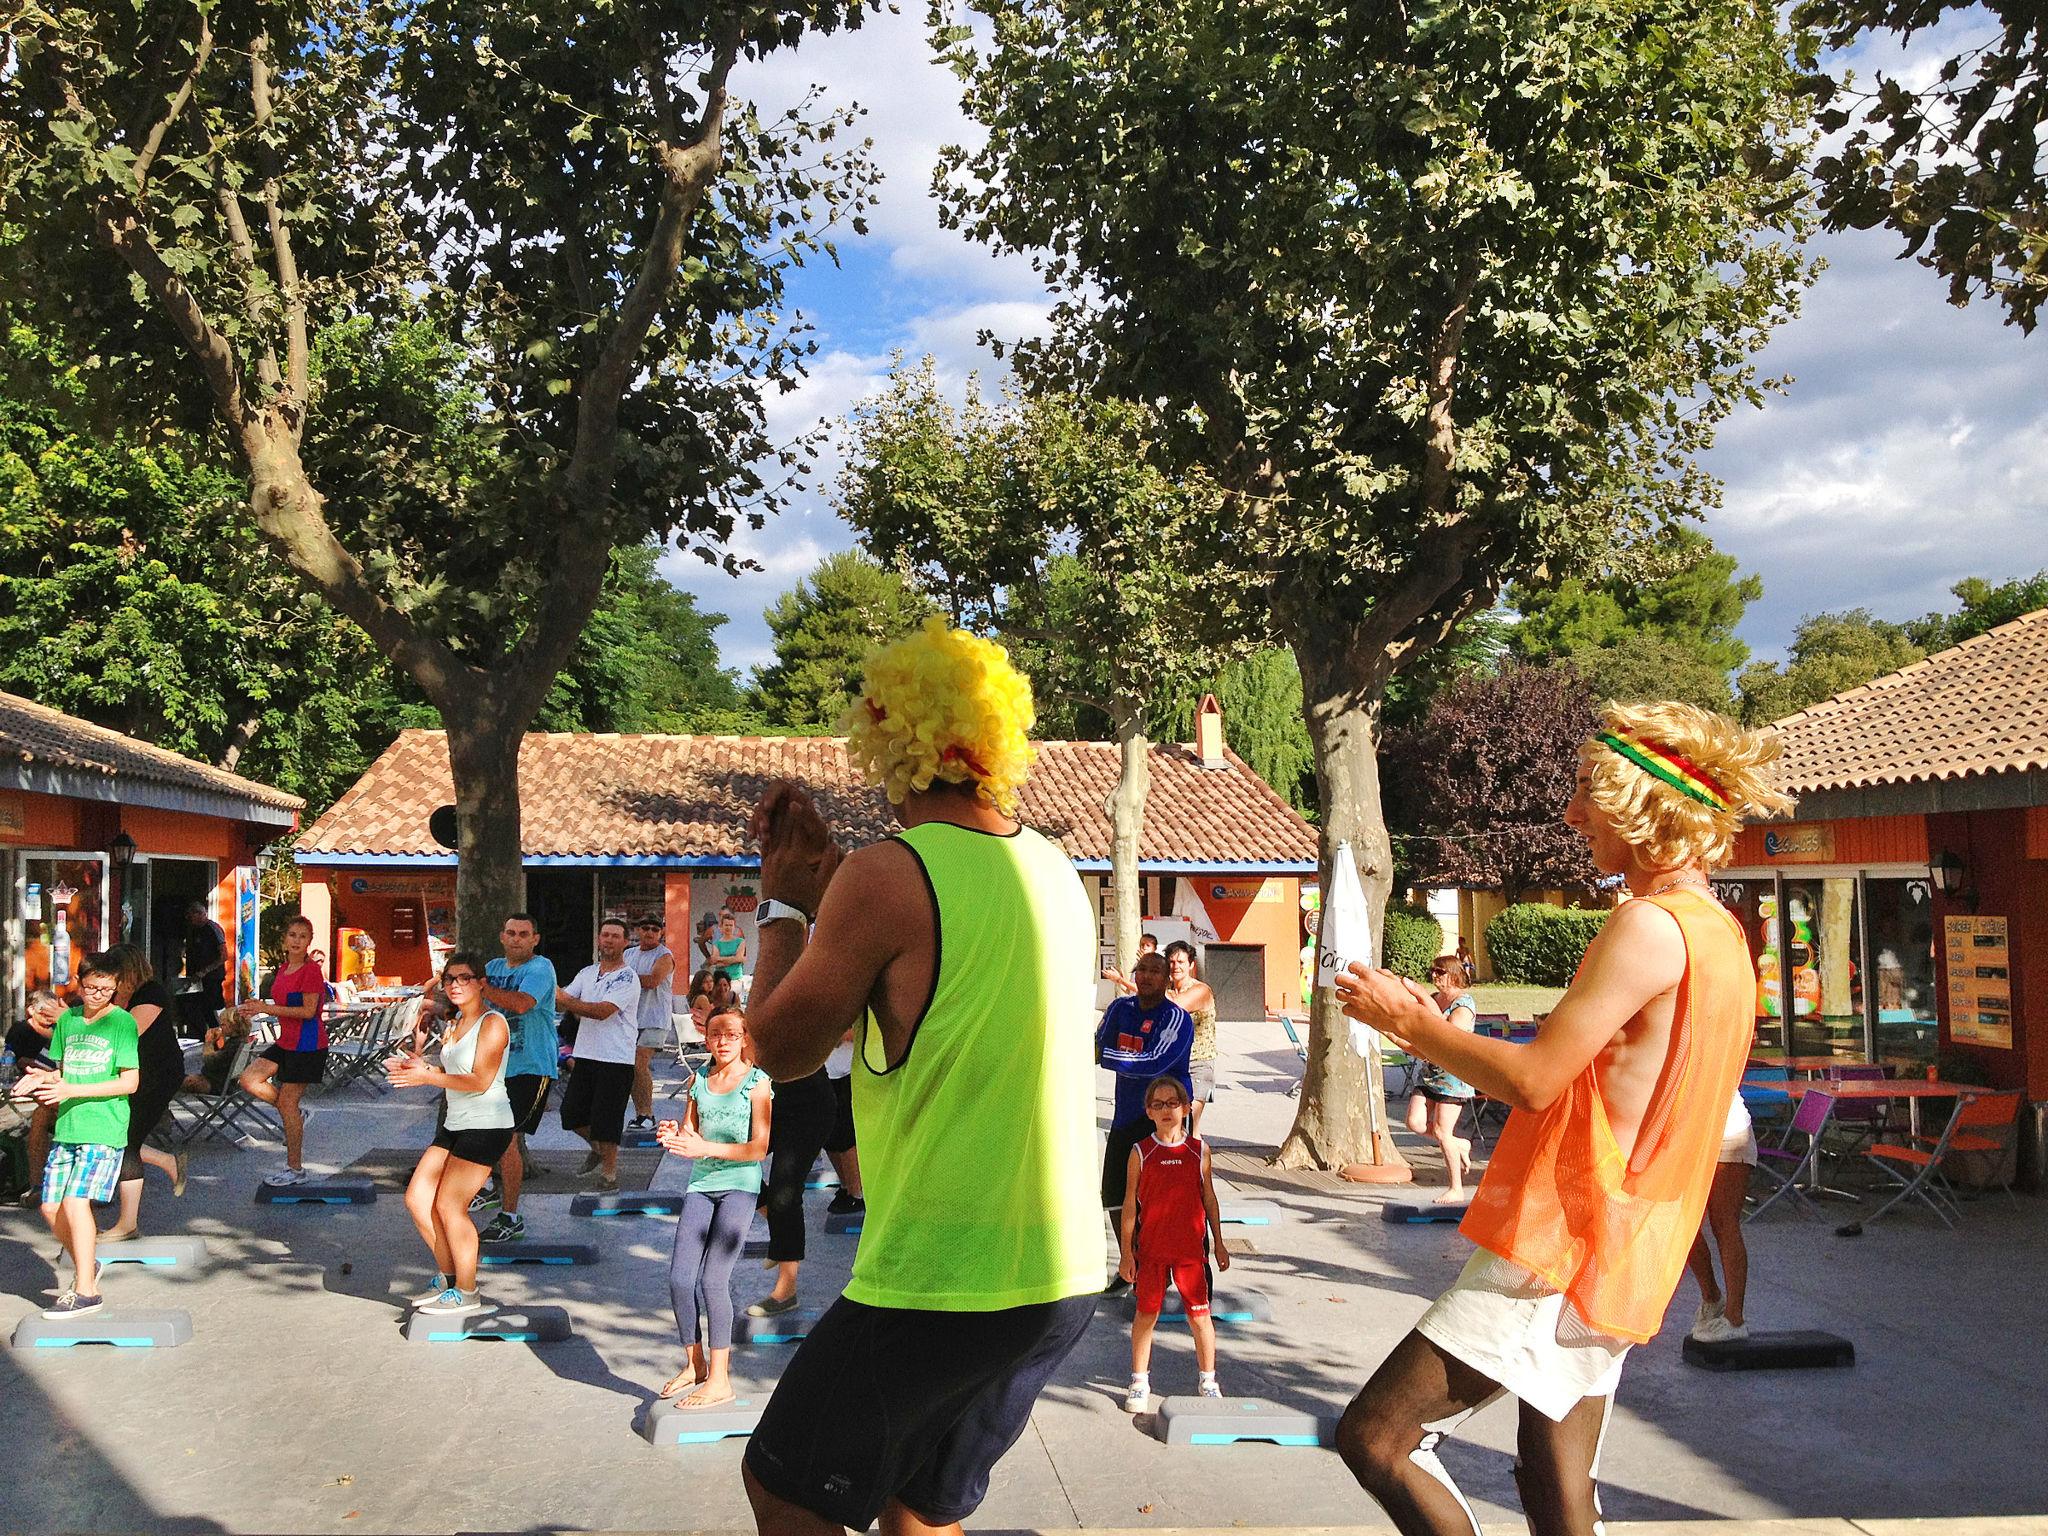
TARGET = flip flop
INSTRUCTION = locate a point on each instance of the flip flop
(679, 1382)
(695, 1400)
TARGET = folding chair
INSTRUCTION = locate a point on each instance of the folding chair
(1794, 1167)
(233, 1112)
(1406, 1065)
(1495, 1026)
(1767, 1106)
(1864, 1120)
(1982, 1112)
(1300, 1049)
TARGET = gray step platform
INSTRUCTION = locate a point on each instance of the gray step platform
(636, 1202)
(1423, 1215)
(1228, 1420)
(156, 1252)
(343, 1189)
(1250, 1213)
(1802, 1351)
(638, 1141)
(1227, 1307)
(497, 1255)
(122, 1327)
(512, 1325)
(667, 1424)
(784, 1328)
(844, 1223)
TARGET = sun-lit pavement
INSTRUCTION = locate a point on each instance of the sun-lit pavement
(299, 1407)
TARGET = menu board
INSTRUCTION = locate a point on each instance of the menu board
(1979, 981)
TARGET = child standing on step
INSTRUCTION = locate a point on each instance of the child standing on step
(1168, 1231)
(725, 1132)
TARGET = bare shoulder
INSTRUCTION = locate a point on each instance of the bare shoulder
(1641, 934)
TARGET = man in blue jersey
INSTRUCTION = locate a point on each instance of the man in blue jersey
(1141, 1036)
(522, 987)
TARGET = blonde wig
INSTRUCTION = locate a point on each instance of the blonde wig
(1678, 782)
(942, 705)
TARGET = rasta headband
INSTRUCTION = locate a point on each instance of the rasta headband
(1680, 772)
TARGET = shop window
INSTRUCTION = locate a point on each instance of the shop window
(631, 894)
(63, 918)
(1902, 956)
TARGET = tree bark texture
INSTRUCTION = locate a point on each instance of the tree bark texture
(490, 881)
(1343, 1096)
(1127, 828)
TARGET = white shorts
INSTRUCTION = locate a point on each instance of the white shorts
(1739, 1149)
(1514, 1329)
(656, 1037)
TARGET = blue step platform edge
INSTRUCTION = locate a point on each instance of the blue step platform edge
(1228, 1307)
(156, 1252)
(643, 1202)
(346, 1189)
(511, 1325)
(844, 1223)
(499, 1255)
(1234, 1420)
(121, 1327)
(1250, 1213)
(638, 1141)
(783, 1328)
(668, 1424)
(1423, 1215)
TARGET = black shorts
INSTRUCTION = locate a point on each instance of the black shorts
(297, 1066)
(1116, 1159)
(841, 1137)
(884, 1403)
(481, 1147)
(529, 1095)
(1434, 1097)
(595, 1099)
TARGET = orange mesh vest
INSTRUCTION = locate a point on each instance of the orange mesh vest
(1558, 1197)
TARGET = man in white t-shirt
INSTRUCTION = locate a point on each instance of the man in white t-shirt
(655, 964)
(605, 1001)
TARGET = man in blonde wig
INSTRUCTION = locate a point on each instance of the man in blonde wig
(1594, 1193)
(960, 952)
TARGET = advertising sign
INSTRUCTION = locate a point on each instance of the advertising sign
(1979, 980)
(247, 985)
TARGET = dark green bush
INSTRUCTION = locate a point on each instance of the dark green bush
(1412, 940)
(1533, 944)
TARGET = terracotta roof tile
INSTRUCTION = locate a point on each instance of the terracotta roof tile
(34, 733)
(688, 797)
(1980, 707)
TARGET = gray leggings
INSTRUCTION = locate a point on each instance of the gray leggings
(709, 1236)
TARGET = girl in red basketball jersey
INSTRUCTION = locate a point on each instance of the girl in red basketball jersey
(1166, 1232)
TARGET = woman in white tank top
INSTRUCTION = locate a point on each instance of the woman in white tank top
(475, 1131)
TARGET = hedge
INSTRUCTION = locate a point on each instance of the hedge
(1533, 944)
(1412, 941)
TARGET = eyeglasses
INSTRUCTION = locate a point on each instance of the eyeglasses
(447, 980)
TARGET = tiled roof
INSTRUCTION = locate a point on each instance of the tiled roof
(1978, 708)
(33, 734)
(596, 796)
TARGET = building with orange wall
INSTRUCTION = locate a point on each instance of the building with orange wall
(627, 825)
(105, 839)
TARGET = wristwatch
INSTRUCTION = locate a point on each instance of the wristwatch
(772, 911)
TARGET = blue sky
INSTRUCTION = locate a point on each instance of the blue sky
(1911, 450)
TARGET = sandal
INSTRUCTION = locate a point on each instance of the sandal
(676, 1383)
(697, 1399)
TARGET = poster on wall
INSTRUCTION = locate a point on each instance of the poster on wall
(718, 895)
(247, 984)
(1979, 980)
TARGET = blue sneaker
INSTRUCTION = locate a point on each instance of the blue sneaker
(71, 1304)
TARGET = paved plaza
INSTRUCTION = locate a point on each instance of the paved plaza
(298, 1406)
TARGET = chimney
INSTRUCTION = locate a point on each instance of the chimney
(1209, 732)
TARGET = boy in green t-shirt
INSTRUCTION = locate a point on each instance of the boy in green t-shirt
(98, 1067)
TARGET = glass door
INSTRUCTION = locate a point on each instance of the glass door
(62, 898)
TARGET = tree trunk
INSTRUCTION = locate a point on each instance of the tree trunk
(490, 882)
(1342, 1118)
(1127, 826)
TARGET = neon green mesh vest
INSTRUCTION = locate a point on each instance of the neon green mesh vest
(977, 1150)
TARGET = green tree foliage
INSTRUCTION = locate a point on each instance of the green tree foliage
(1830, 654)
(1047, 519)
(824, 628)
(1440, 295)
(1534, 944)
(1955, 167)
(1982, 606)
(1476, 789)
(207, 192)
(1664, 628)
(1262, 722)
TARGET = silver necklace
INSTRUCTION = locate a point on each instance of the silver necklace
(1673, 885)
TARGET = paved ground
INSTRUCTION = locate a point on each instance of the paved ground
(298, 1406)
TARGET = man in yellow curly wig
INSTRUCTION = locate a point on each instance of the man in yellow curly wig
(960, 952)
(1594, 1193)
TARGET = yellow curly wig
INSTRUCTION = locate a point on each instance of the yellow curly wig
(942, 704)
(1670, 826)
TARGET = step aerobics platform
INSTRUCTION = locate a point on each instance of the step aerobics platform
(636, 1202)
(511, 1325)
(156, 1252)
(122, 1327)
(498, 1255)
(342, 1189)
(1230, 1420)
(1226, 1306)
(1250, 1213)
(783, 1328)
(1802, 1351)
(668, 1424)
(1423, 1215)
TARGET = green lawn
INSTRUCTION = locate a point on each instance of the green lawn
(1515, 1002)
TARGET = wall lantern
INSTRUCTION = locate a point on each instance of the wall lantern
(1946, 873)
(122, 851)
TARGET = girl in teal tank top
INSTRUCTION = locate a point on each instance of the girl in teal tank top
(724, 1133)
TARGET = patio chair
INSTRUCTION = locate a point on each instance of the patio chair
(1861, 1120)
(1794, 1166)
(1767, 1106)
(1300, 1048)
(1493, 1025)
(1975, 1115)
(233, 1112)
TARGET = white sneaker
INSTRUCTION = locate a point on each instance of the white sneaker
(1718, 1330)
(1209, 1388)
(1708, 1309)
(1138, 1397)
(454, 1303)
(433, 1292)
(284, 1177)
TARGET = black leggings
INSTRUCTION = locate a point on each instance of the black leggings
(796, 1135)
(161, 1080)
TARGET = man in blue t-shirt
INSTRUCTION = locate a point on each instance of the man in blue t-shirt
(1142, 1036)
(522, 987)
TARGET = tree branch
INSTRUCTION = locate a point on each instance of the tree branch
(297, 365)
(151, 146)
(120, 227)
(243, 244)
